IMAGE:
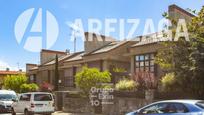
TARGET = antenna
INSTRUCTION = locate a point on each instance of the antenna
(18, 65)
(74, 28)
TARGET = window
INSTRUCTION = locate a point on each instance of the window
(200, 104)
(42, 97)
(144, 62)
(162, 108)
(33, 78)
(68, 78)
(25, 97)
(7, 97)
(180, 108)
(155, 109)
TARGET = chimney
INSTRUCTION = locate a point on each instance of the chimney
(30, 66)
(67, 51)
(175, 12)
(7, 69)
(94, 41)
(48, 55)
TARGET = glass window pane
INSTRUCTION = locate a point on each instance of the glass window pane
(152, 62)
(180, 108)
(151, 56)
(146, 63)
(137, 64)
(42, 97)
(155, 108)
(137, 58)
(141, 57)
(147, 57)
(141, 64)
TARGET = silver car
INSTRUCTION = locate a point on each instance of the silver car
(172, 107)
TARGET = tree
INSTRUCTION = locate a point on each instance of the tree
(18, 83)
(91, 77)
(14, 82)
(186, 59)
(196, 28)
(56, 73)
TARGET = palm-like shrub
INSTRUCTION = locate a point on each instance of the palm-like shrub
(168, 82)
(126, 85)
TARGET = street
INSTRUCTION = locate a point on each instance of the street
(56, 113)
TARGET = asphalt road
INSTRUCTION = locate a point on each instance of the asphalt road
(56, 113)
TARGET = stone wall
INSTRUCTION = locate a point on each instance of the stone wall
(124, 105)
(74, 103)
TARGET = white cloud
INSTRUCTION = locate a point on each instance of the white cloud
(4, 65)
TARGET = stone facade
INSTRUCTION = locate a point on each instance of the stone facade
(120, 105)
(123, 105)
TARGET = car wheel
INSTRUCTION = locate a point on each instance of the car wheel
(26, 112)
(13, 112)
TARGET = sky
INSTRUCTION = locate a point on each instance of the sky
(15, 56)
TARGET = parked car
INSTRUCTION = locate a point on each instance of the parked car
(6, 97)
(172, 107)
(34, 102)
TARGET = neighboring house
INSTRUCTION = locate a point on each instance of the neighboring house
(5, 73)
(104, 53)
(44, 72)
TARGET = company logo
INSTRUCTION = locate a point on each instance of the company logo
(35, 29)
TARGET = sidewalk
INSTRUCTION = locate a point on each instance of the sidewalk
(62, 113)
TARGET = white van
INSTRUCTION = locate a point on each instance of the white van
(34, 102)
(6, 97)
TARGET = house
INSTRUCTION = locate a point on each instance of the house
(143, 53)
(44, 72)
(101, 52)
(104, 53)
(7, 72)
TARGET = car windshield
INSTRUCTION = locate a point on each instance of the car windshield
(42, 97)
(7, 97)
(200, 104)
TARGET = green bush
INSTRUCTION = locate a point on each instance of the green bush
(34, 87)
(126, 85)
(117, 69)
(14, 82)
(91, 77)
(168, 82)
(29, 88)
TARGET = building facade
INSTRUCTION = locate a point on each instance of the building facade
(105, 53)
